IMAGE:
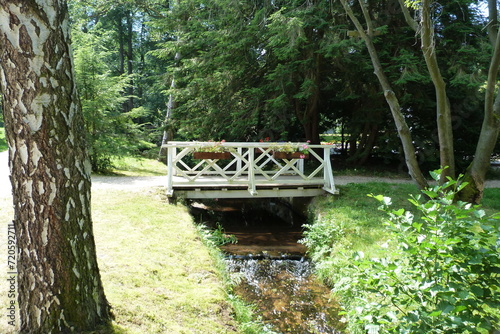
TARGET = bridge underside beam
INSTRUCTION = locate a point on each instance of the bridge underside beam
(244, 193)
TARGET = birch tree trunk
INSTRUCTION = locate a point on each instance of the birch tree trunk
(59, 285)
(168, 132)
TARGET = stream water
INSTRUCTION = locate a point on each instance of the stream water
(288, 296)
(273, 272)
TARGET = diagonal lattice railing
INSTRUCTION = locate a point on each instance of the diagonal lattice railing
(250, 164)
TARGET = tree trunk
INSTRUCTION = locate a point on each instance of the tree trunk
(130, 61)
(443, 112)
(168, 133)
(493, 21)
(59, 285)
(488, 137)
(402, 128)
(307, 111)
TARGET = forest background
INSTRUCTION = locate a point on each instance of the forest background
(283, 70)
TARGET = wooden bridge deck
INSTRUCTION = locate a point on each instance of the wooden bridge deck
(218, 187)
(247, 174)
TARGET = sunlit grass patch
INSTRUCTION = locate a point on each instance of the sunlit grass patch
(137, 166)
(350, 222)
(157, 274)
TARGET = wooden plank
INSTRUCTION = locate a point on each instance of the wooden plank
(220, 182)
(244, 193)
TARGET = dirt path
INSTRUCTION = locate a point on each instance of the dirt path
(137, 183)
(98, 182)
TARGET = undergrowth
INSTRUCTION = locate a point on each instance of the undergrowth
(431, 268)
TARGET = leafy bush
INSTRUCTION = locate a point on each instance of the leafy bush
(216, 237)
(440, 275)
(323, 237)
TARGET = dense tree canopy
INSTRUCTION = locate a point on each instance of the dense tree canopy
(288, 70)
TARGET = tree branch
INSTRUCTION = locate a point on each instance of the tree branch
(411, 22)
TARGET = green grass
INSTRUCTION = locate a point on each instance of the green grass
(360, 222)
(3, 142)
(341, 225)
(491, 199)
(137, 166)
(157, 274)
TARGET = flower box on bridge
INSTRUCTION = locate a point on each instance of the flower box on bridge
(293, 155)
(212, 155)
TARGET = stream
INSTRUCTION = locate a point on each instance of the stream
(272, 269)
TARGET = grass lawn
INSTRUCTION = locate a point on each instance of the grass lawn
(157, 274)
(137, 166)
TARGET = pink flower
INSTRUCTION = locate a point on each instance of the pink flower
(223, 141)
(302, 156)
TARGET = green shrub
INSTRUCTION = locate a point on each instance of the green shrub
(440, 275)
(216, 237)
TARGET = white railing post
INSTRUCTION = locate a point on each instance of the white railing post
(238, 161)
(251, 172)
(328, 172)
(300, 165)
(170, 170)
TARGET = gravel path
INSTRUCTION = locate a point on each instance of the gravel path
(138, 183)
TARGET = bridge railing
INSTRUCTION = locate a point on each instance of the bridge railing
(251, 164)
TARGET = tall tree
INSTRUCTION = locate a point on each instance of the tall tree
(429, 40)
(391, 98)
(476, 173)
(60, 289)
(490, 129)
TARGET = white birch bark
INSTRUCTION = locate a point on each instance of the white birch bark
(59, 285)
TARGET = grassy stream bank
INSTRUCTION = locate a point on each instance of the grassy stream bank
(455, 281)
(160, 275)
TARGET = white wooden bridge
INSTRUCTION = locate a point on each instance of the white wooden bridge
(249, 170)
